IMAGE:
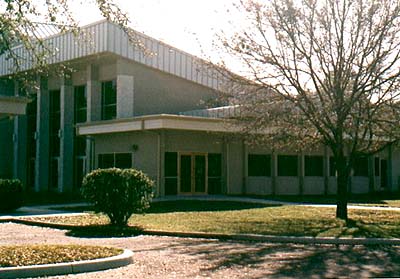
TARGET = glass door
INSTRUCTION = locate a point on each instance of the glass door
(193, 174)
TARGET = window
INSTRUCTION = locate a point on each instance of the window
(360, 166)
(332, 167)
(108, 100)
(259, 165)
(31, 114)
(214, 173)
(80, 104)
(377, 168)
(287, 165)
(54, 139)
(117, 160)
(171, 173)
(313, 166)
(123, 160)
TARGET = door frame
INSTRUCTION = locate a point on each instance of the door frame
(192, 173)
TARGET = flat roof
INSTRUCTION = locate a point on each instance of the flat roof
(12, 105)
(156, 122)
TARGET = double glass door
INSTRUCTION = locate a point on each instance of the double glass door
(193, 174)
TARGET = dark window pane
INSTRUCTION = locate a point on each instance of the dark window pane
(377, 169)
(200, 173)
(214, 185)
(80, 103)
(171, 186)
(106, 161)
(214, 165)
(287, 165)
(332, 167)
(80, 146)
(53, 173)
(123, 160)
(313, 166)
(108, 99)
(361, 166)
(109, 112)
(259, 165)
(171, 164)
(79, 172)
(186, 173)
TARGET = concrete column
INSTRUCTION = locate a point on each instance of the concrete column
(125, 94)
(224, 170)
(226, 167)
(244, 160)
(65, 180)
(42, 137)
(161, 165)
(20, 148)
(93, 90)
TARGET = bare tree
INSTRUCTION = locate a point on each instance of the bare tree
(321, 72)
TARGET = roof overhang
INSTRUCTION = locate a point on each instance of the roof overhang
(156, 122)
(12, 105)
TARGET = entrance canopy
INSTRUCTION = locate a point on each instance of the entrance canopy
(12, 105)
(156, 122)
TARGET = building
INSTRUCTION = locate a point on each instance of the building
(124, 108)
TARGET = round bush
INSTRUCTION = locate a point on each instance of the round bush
(10, 194)
(118, 193)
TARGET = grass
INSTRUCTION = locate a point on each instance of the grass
(376, 199)
(23, 255)
(239, 218)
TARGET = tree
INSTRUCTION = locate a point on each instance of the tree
(118, 193)
(319, 72)
(28, 23)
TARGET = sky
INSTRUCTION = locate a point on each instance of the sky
(186, 24)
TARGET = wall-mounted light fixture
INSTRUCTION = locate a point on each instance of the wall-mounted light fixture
(135, 147)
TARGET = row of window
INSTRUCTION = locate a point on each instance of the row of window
(288, 165)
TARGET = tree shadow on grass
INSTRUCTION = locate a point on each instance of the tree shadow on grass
(183, 206)
(359, 228)
(202, 205)
(104, 231)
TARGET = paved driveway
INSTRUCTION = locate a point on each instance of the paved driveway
(169, 257)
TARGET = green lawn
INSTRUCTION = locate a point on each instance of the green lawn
(382, 200)
(234, 217)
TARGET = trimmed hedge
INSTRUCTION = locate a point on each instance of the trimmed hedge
(10, 194)
(118, 193)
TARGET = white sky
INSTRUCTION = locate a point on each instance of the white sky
(189, 25)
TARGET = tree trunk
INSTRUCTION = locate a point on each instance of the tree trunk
(342, 186)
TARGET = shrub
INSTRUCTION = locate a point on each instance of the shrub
(118, 193)
(10, 194)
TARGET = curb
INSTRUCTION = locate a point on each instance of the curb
(67, 268)
(280, 239)
(239, 237)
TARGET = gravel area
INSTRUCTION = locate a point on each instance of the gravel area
(170, 257)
